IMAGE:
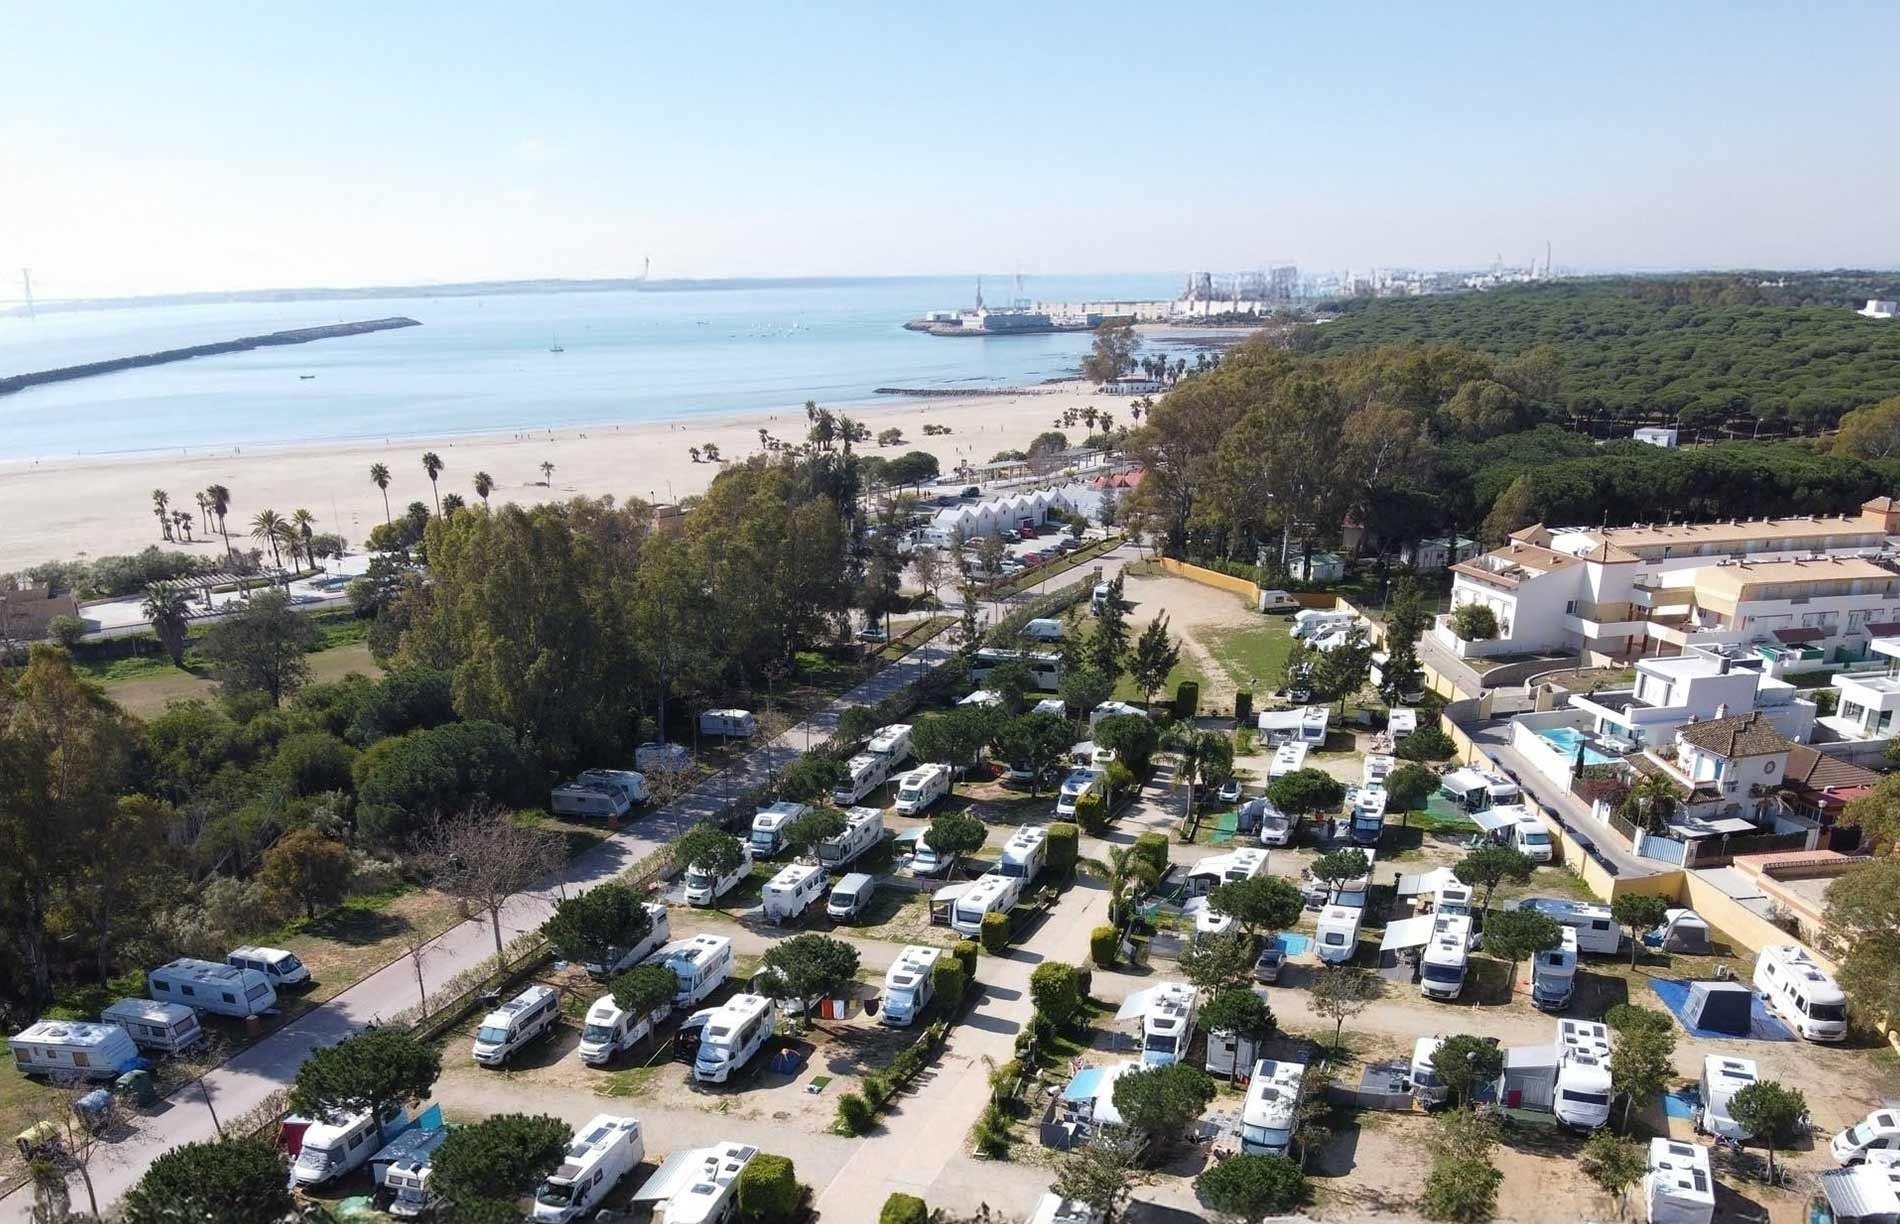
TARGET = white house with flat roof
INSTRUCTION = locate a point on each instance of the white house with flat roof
(1866, 702)
(1877, 308)
(1702, 683)
(1656, 435)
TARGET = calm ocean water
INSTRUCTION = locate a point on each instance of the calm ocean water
(483, 364)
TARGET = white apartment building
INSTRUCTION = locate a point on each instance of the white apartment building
(1866, 703)
(1700, 684)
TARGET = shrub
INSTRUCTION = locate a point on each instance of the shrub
(1084, 980)
(1104, 946)
(992, 1132)
(1428, 743)
(1064, 848)
(903, 1208)
(1154, 848)
(1091, 813)
(995, 934)
(1243, 708)
(965, 952)
(768, 1190)
(1187, 699)
(1474, 623)
(950, 982)
(1252, 1186)
(854, 1114)
(1053, 988)
(876, 1089)
(66, 629)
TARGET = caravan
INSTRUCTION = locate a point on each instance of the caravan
(732, 724)
(165, 1027)
(909, 985)
(992, 893)
(1678, 1189)
(733, 1033)
(701, 887)
(280, 968)
(632, 785)
(1722, 1078)
(222, 990)
(702, 963)
(610, 1030)
(1287, 758)
(1167, 1022)
(921, 787)
(787, 895)
(892, 742)
(659, 930)
(1079, 782)
(1795, 987)
(1271, 1113)
(1024, 853)
(604, 1151)
(700, 1186)
(1375, 769)
(863, 830)
(1447, 956)
(1596, 931)
(1336, 939)
(594, 802)
(532, 1013)
(1428, 1088)
(1313, 723)
(863, 774)
(1554, 974)
(1045, 667)
(1583, 1092)
(767, 835)
(658, 756)
(331, 1149)
(72, 1048)
(1217, 869)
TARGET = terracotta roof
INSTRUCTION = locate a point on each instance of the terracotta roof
(1745, 736)
(1793, 636)
(1811, 770)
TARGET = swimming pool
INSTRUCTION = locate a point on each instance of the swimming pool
(1566, 739)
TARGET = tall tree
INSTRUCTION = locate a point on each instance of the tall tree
(1515, 507)
(487, 859)
(597, 927)
(1156, 654)
(379, 476)
(168, 609)
(484, 485)
(308, 868)
(267, 528)
(1769, 1111)
(160, 500)
(1406, 620)
(1863, 913)
(232, 1181)
(220, 499)
(1112, 353)
(432, 465)
(262, 649)
(1489, 866)
(375, 1071)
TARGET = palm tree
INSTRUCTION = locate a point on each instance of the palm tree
(184, 521)
(379, 476)
(1119, 869)
(432, 464)
(160, 500)
(547, 473)
(484, 485)
(452, 503)
(1088, 417)
(168, 609)
(204, 512)
(305, 523)
(694, 452)
(1651, 802)
(287, 536)
(220, 499)
(265, 530)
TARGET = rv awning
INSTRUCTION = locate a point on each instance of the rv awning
(907, 836)
(949, 892)
(1518, 1058)
(1407, 933)
(1136, 1003)
(1491, 822)
(1860, 1193)
(1282, 720)
(675, 1173)
(1459, 781)
(1425, 882)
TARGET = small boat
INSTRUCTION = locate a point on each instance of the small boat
(554, 344)
(306, 377)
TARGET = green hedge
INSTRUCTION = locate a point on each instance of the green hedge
(768, 1190)
(995, 934)
(903, 1208)
(1104, 946)
(965, 951)
(1064, 848)
(949, 982)
(1154, 847)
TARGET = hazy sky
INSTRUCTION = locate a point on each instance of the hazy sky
(156, 147)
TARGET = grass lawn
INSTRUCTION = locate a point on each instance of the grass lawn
(146, 686)
(1253, 656)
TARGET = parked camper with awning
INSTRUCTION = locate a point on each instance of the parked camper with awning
(1866, 1194)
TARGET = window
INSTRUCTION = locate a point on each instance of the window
(356, 1140)
(189, 991)
(80, 1060)
(229, 997)
(160, 984)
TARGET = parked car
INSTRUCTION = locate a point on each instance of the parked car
(873, 635)
(971, 491)
(1266, 968)
(1229, 791)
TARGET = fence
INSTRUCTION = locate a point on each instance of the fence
(1716, 852)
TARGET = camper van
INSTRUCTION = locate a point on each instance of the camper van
(165, 1027)
(72, 1048)
(1447, 955)
(909, 985)
(659, 930)
(863, 830)
(850, 896)
(1679, 1188)
(1797, 989)
(734, 1032)
(927, 862)
(280, 968)
(1287, 758)
(991, 893)
(1336, 939)
(892, 742)
(532, 1013)
(1113, 709)
(863, 774)
(206, 986)
(1367, 819)
(1554, 974)
(610, 1031)
(332, 1149)
(1079, 782)
(1024, 853)
(1427, 1088)
(1045, 629)
(657, 756)
(406, 1173)
(1531, 838)
(1582, 1099)
(699, 1186)
(701, 887)
(1272, 1109)
(1375, 769)
(921, 787)
(1276, 828)
(1218, 869)
(787, 895)
(1099, 597)
(1879, 1131)
(1722, 1078)
(702, 964)
(768, 827)
(732, 724)
(592, 802)
(1167, 1024)
(1045, 667)
(604, 1151)
(1596, 931)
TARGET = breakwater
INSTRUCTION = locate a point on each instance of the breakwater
(300, 335)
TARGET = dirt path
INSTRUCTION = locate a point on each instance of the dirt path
(1190, 606)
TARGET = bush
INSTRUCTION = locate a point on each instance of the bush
(768, 1190)
(995, 934)
(1091, 813)
(1428, 743)
(1243, 708)
(949, 982)
(965, 952)
(66, 629)
(1462, 1188)
(1064, 847)
(1187, 699)
(1105, 946)
(992, 1132)
(1252, 1186)
(854, 1114)
(903, 1208)
(1154, 848)
(1055, 992)
(1084, 980)
(876, 1090)
(1474, 623)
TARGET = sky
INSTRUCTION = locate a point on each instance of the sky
(160, 148)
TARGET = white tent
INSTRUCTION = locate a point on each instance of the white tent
(1426, 883)
(1494, 820)
(1407, 933)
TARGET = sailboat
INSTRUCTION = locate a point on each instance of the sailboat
(554, 344)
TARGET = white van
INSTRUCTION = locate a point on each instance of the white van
(702, 963)
(659, 930)
(531, 1014)
(733, 1033)
(909, 985)
(1879, 1131)
(1582, 1099)
(787, 895)
(72, 1048)
(1271, 1113)
(1554, 974)
(1098, 598)
(702, 887)
(331, 1149)
(1799, 991)
(891, 742)
(1024, 853)
(863, 774)
(223, 990)
(1428, 1089)
(1045, 629)
(1447, 956)
(921, 787)
(698, 1186)
(991, 893)
(658, 756)
(588, 802)
(166, 1027)
(1531, 839)
(1722, 1078)
(1597, 932)
(863, 830)
(768, 827)
(280, 968)
(610, 1031)
(604, 1151)
(1079, 782)
(850, 897)
(732, 724)
(1336, 938)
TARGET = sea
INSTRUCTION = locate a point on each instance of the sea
(483, 364)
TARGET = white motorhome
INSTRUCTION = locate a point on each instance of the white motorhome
(1313, 724)
(991, 893)
(732, 724)
(593, 802)
(280, 968)
(850, 896)
(863, 774)
(658, 756)
(699, 1186)
(1467, 789)
(701, 887)
(166, 1027)
(222, 990)
(1801, 993)
(1375, 769)
(1024, 853)
(406, 1174)
(1276, 828)
(702, 963)
(529, 1015)
(1554, 973)
(734, 1032)
(892, 742)
(1216, 869)
(1079, 782)
(1045, 629)
(1099, 597)
(1447, 956)
(1287, 758)
(1045, 667)
(1722, 1078)
(62, 1048)
(1582, 1099)
(604, 1151)
(1167, 1023)
(767, 836)
(1356, 891)
(1113, 709)
(926, 861)
(909, 985)
(1531, 839)
(921, 787)
(1336, 938)
(331, 1149)
(659, 930)
(787, 895)
(628, 782)
(1597, 932)
(1365, 822)
(1453, 896)
(1428, 1088)
(610, 1030)
(1050, 705)
(1879, 1131)
(1679, 1188)
(1271, 1113)
(863, 830)
(1309, 623)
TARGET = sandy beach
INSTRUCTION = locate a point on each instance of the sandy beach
(57, 510)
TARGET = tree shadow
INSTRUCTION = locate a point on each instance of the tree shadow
(356, 927)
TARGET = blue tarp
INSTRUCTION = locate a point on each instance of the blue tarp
(1087, 1082)
(1293, 944)
(1674, 993)
(1683, 1102)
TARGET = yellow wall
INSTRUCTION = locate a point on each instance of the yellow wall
(1214, 578)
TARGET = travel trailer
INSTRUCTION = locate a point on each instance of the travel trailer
(850, 896)
(892, 742)
(863, 830)
(1679, 1188)
(1313, 724)
(1596, 931)
(787, 895)
(1287, 758)
(1309, 623)
(734, 1032)
(767, 835)
(402, 1168)
(330, 1150)
(1582, 1099)
(1208, 921)
(1113, 709)
(605, 1150)
(1447, 955)
(991, 893)
(1045, 629)
(166, 1027)
(1427, 1088)
(1798, 991)
(1217, 869)
(732, 724)
(1271, 1113)
(1276, 828)
(1045, 667)
(280, 968)
(1375, 769)
(531, 1014)
(592, 802)
(610, 1031)
(629, 783)
(1336, 938)
(1024, 853)
(656, 756)
(1230, 1054)
(1167, 1023)
(909, 985)
(702, 963)
(1554, 974)
(699, 1186)
(1722, 1078)
(863, 774)
(206, 986)
(659, 930)
(921, 787)
(72, 1048)
(1879, 1131)
(701, 887)
(1079, 782)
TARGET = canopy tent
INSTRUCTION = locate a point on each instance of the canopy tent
(1136, 1004)
(1285, 722)
(1682, 931)
(1426, 883)
(1720, 1006)
(948, 893)
(906, 836)
(1497, 819)
(1092, 1092)
(1407, 933)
